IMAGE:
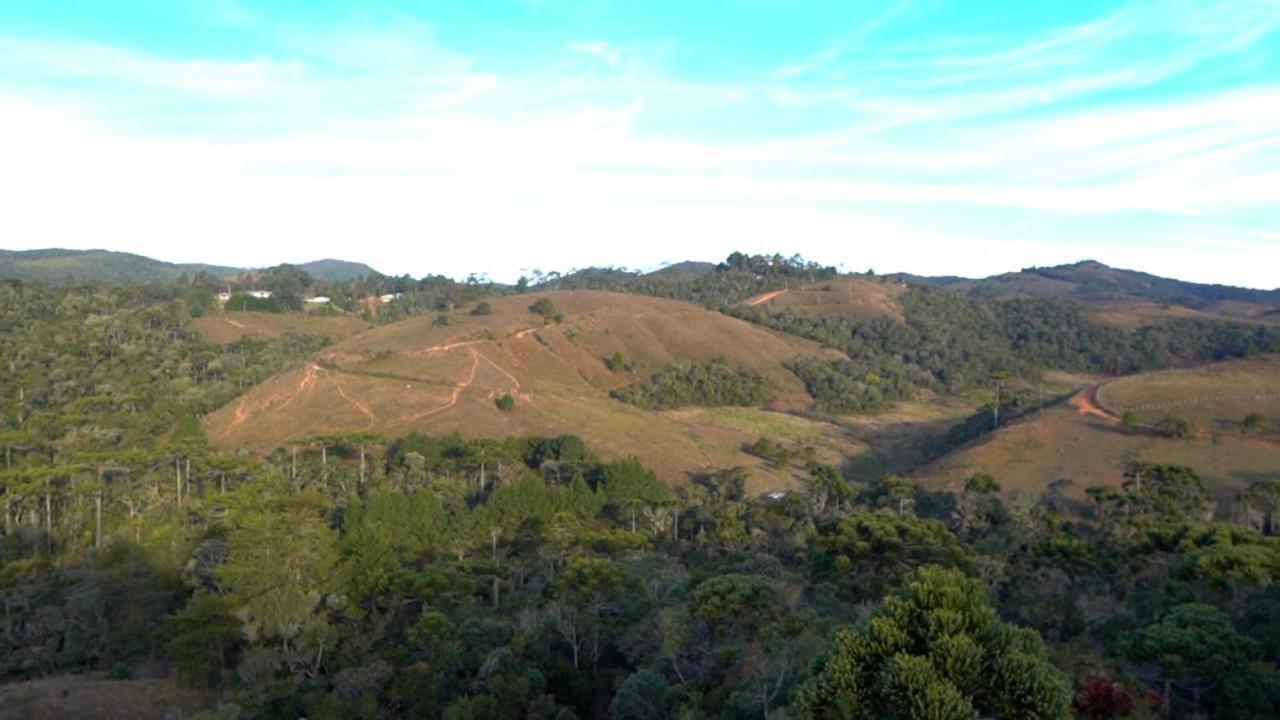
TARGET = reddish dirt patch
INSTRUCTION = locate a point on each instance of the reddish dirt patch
(1086, 403)
(762, 299)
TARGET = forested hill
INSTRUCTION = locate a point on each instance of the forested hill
(95, 266)
(1091, 281)
(58, 266)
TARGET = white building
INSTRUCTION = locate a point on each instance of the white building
(317, 300)
(260, 294)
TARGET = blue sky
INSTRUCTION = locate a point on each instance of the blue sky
(933, 137)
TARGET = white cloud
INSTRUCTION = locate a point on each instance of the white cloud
(418, 159)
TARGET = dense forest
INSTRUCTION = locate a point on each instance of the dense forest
(948, 342)
(360, 576)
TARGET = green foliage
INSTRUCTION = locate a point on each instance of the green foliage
(617, 363)
(951, 342)
(505, 402)
(1254, 422)
(481, 309)
(1195, 647)
(709, 384)
(544, 308)
(936, 649)
(1176, 427)
(201, 639)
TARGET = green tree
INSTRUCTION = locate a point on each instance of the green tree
(1194, 647)
(936, 649)
(201, 639)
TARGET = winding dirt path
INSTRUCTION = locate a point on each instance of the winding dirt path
(333, 378)
(242, 409)
(457, 391)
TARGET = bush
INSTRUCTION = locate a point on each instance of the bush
(120, 671)
(482, 309)
(1129, 422)
(617, 363)
(441, 320)
(544, 307)
(506, 402)
(1176, 427)
(1254, 421)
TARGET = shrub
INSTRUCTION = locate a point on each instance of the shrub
(1176, 427)
(506, 402)
(544, 307)
(482, 309)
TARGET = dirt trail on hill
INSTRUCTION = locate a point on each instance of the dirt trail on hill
(333, 378)
(240, 325)
(762, 299)
(242, 409)
(457, 391)
(1086, 403)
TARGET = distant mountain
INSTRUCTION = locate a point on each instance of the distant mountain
(60, 266)
(1091, 281)
(331, 270)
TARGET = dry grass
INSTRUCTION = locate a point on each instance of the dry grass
(416, 375)
(1063, 442)
(88, 696)
(229, 327)
(1216, 397)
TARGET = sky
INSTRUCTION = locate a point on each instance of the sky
(959, 138)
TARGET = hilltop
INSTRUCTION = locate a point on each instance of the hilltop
(100, 266)
(58, 266)
(1125, 296)
(422, 374)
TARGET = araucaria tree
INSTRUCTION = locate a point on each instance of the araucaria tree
(936, 650)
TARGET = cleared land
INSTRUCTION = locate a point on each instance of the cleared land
(420, 375)
(1082, 440)
(1215, 398)
(230, 327)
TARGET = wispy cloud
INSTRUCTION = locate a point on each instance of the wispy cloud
(381, 131)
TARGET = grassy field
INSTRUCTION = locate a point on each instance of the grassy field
(1214, 398)
(420, 375)
(1089, 449)
(232, 326)
(91, 696)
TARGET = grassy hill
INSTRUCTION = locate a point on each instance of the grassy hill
(422, 375)
(1082, 441)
